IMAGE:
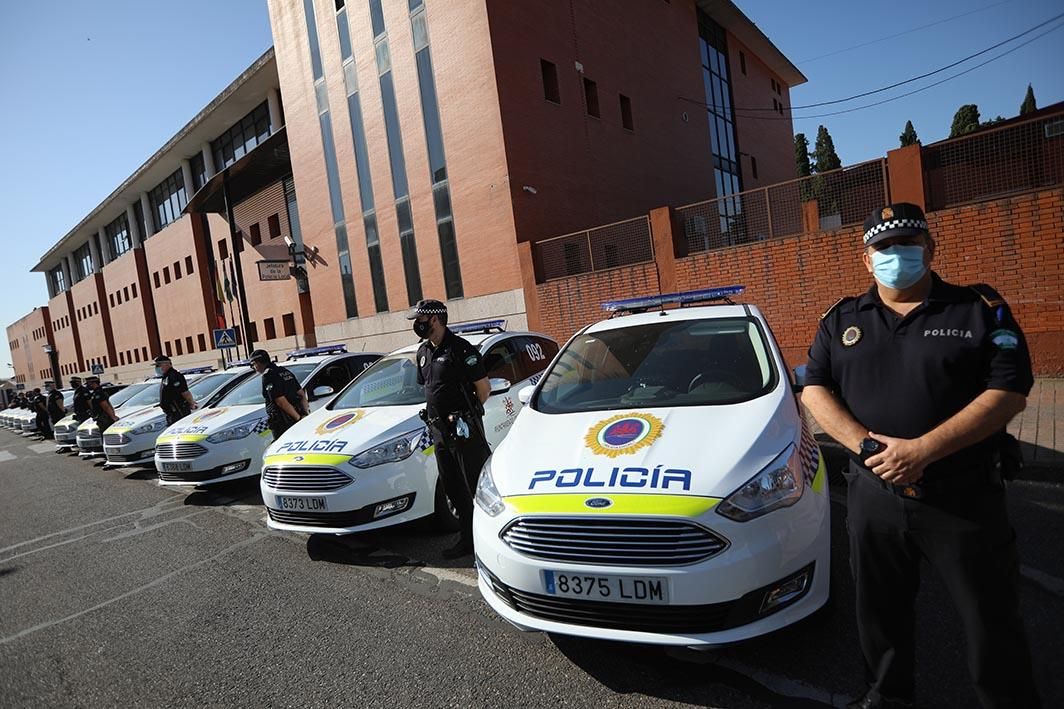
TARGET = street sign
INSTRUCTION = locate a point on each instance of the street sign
(97, 369)
(20, 386)
(274, 270)
(225, 338)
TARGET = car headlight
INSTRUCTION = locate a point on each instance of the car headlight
(149, 428)
(780, 484)
(391, 451)
(487, 496)
(234, 433)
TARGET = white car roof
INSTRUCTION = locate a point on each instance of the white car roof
(703, 312)
(479, 339)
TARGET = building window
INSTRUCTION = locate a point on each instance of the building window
(168, 199)
(549, 71)
(166, 274)
(721, 118)
(753, 166)
(83, 261)
(118, 237)
(270, 328)
(255, 235)
(144, 354)
(188, 265)
(199, 170)
(236, 142)
(591, 98)
(376, 16)
(177, 270)
(188, 345)
(273, 224)
(58, 279)
(253, 331)
(626, 113)
(742, 63)
(177, 346)
(156, 276)
(202, 341)
(111, 298)
(343, 31)
(223, 249)
(288, 322)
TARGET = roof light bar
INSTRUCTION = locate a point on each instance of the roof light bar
(198, 370)
(706, 295)
(315, 351)
(238, 363)
(480, 326)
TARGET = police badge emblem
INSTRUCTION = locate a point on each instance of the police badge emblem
(886, 214)
(421, 363)
(851, 336)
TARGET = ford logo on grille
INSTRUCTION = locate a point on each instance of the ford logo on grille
(598, 502)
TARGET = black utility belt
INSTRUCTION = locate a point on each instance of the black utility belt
(939, 485)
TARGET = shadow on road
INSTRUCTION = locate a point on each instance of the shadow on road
(351, 551)
(244, 491)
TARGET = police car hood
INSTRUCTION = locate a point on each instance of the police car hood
(137, 418)
(200, 424)
(347, 431)
(705, 451)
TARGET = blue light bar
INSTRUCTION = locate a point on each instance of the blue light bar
(198, 370)
(691, 297)
(481, 326)
(315, 351)
(239, 363)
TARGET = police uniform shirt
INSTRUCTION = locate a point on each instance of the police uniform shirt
(445, 369)
(277, 382)
(172, 386)
(96, 398)
(81, 402)
(55, 402)
(903, 376)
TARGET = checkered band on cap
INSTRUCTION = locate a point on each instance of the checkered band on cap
(430, 311)
(895, 224)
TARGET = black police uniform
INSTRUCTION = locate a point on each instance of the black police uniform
(172, 387)
(902, 377)
(277, 382)
(96, 398)
(55, 406)
(447, 372)
(81, 403)
(40, 407)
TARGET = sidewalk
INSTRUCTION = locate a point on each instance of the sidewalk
(1040, 428)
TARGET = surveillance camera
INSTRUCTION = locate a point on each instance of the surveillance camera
(288, 241)
(529, 189)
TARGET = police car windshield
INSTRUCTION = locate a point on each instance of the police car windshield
(249, 392)
(121, 397)
(668, 363)
(148, 396)
(391, 381)
(208, 384)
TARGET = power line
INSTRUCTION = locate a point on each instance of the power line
(902, 33)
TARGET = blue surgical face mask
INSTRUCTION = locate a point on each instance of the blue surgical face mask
(158, 371)
(899, 266)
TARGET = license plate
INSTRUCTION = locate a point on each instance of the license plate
(617, 589)
(177, 467)
(302, 504)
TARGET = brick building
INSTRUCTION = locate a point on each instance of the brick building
(420, 146)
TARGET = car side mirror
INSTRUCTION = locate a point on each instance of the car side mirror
(525, 395)
(499, 385)
(321, 391)
(799, 379)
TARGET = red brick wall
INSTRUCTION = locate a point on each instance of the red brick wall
(90, 312)
(1015, 244)
(65, 333)
(125, 300)
(27, 337)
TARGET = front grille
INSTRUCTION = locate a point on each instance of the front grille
(65, 437)
(124, 458)
(115, 439)
(305, 479)
(189, 476)
(318, 519)
(179, 451)
(86, 443)
(602, 540)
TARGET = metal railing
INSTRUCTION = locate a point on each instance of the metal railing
(819, 202)
(993, 162)
(624, 243)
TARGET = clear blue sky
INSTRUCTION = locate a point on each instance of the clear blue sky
(91, 90)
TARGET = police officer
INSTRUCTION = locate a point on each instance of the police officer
(456, 387)
(917, 378)
(100, 404)
(40, 408)
(81, 399)
(56, 409)
(174, 397)
(286, 402)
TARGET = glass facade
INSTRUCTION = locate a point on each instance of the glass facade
(199, 171)
(715, 76)
(118, 236)
(168, 199)
(235, 143)
(57, 280)
(83, 261)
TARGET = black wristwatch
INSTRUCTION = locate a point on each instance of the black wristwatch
(869, 447)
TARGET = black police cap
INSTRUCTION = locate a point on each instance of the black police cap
(899, 219)
(91, 379)
(260, 356)
(427, 307)
(161, 358)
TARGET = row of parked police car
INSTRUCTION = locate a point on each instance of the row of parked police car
(652, 481)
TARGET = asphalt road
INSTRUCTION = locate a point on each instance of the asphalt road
(117, 592)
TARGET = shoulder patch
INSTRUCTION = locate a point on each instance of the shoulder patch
(834, 305)
(471, 360)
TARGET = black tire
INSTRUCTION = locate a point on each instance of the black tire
(444, 518)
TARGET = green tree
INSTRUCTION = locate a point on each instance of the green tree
(992, 121)
(1028, 104)
(801, 155)
(965, 120)
(824, 152)
(908, 136)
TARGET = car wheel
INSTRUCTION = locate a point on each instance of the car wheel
(445, 516)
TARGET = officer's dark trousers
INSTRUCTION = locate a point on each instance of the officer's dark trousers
(454, 456)
(966, 536)
(44, 427)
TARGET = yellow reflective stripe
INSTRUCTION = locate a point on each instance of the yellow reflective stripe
(307, 459)
(430, 450)
(182, 438)
(623, 504)
(821, 476)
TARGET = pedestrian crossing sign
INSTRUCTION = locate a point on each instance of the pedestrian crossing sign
(225, 338)
(97, 369)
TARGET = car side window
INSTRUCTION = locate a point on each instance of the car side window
(334, 375)
(501, 362)
(533, 355)
(357, 365)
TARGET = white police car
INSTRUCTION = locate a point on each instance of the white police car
(124, 401)
(365, 460)
(660, 485)
(226, 441)
(131, 440)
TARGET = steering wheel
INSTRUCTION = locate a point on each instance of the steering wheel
(726, 376)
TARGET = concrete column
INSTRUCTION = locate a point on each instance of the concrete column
(105, 249)
(94, 250)
(134, 227)
(65, 263)
(273, 103)
(149, 222)
(208, 160)
(186, 175)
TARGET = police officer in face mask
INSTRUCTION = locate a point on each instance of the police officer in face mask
(81, 399)
(918, 378)
(174, 397)
(100, 404)
(456, 387)
(286, 402)
(56, 409)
